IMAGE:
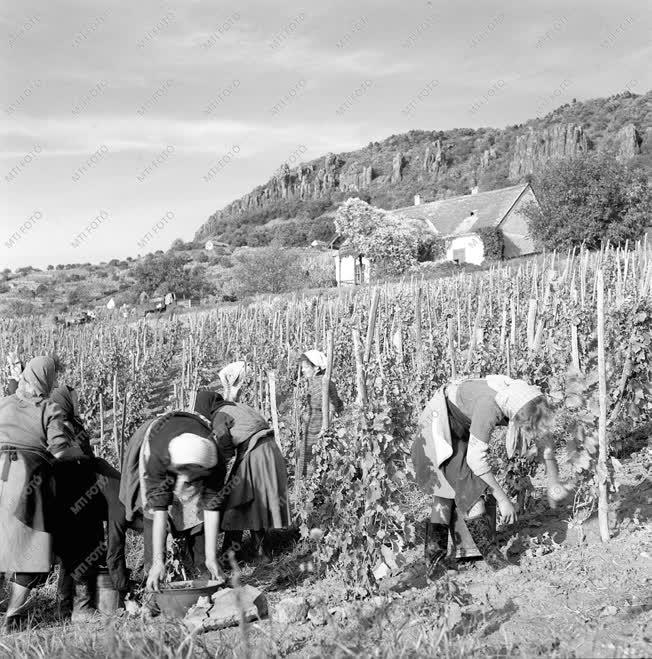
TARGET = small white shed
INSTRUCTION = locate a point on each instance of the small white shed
(351, 268)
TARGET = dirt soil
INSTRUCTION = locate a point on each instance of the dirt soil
(568, 595)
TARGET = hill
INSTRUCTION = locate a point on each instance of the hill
(293, 206)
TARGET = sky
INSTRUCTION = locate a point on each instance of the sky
(124, 125)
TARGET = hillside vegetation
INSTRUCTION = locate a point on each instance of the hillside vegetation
(295, 205)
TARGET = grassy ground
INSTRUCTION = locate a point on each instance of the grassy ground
(569, 596)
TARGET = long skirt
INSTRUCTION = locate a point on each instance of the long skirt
(22, 547)
(468, 487)
(259, 498)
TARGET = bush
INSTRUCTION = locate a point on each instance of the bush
(591, 199)
(20, 308)
(431, 248)
(270, 269)
(494, 243)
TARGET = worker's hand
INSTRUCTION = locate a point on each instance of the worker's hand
(68, 453)
(156, 575)
(216, 572)
(557, 492)
(507, 510)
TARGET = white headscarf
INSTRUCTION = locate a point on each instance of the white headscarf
(231, 377)
(512, 396)
(191, 449)
(317, 358)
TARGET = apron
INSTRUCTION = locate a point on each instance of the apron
(432, 447)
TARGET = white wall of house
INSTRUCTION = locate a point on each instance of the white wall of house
(348, 270)
(467, 249)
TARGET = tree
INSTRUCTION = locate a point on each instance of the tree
(269, 269)
(592, 198)
(390, 244)
(161, 273)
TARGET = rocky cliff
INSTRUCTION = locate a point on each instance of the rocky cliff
(437, 164)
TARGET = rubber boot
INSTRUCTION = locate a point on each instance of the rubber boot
(436, 548)
(83, 608)
(485, 540)
(261, 547)
(65, 594)
(18, 596)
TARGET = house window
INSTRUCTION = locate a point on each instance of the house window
(459, 255)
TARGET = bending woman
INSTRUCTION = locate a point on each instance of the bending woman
(313, 367)
(450, 458)
(255, 496)
(32, 435)
(173, 477)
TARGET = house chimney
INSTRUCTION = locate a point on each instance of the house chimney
(474, 189)
(417, 199)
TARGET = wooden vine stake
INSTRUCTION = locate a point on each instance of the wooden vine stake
(603, 499)
(115, 414)
(326, 383)
(101, 424)
(373, 311)
(360, 379)
(451, 349)
(271, 378)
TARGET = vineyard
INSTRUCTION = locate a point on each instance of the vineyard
(579, 325)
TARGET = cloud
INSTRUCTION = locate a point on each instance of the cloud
(65, 136)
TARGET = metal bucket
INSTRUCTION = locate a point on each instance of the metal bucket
(175, 600)
(107, 598)
(464, 545)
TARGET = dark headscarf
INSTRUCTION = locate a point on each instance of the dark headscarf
(207, 403)
(38, 377)
(62, 396)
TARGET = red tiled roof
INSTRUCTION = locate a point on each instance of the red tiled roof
(453, 216)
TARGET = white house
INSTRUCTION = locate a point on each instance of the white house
(458, 219)
(351, 268)
(211, 244)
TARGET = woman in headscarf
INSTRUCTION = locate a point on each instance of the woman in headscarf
(87, 495)
(32, 435)
(313, 367)
(450, 458)
(255, 496)
(172, 477)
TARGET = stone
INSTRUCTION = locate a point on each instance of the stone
(629, 142)
(355, 178)
(291, 609)
(453, 614)
(397, 167)
(538, 146)
(432, 159)
(318, 616)
(223, 610)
